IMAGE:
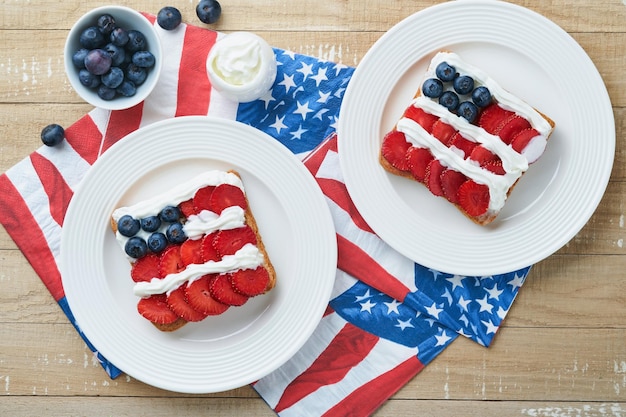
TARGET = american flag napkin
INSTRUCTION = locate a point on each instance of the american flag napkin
(387, 318)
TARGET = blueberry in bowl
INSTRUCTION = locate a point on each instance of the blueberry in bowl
(113, 57)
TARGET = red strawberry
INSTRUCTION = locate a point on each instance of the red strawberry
(177, 302)
(227, 242)
(511, 127)
(443, 131)
(188, 208)
(250, 282)
(209, 253)
(222, 290)
(483, 155)
(155, 309)
(522, 139)
(394, 150)
(191, 252)
(199, 297)
(433, 177)
(145, 268)
(474, 198)
(419, 158)
(464, 145)
(171, 261)
(201, 200)
(451, 180)
(226, 195)
(426, 120)
(493, 117)
(495, 167)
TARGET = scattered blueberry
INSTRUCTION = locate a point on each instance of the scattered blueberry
(143, 59)
(113, 78)
(106, 24)
(169, 18)
(468, 110)
(126, 89)
(98, 61)
(78, 59)
(481, 96)
(432, 88)
(88, 79)
(136, 74)
(449, 100)
(91, 38)
(52, 135)
(128, 226)
(157, 242)
(106, 93)
(175, 233)
(136, 41)
(208, 11)
(445, 71)
(463, 84)
(136, 247)
(170, 214)
(150, 223)
(119, 37)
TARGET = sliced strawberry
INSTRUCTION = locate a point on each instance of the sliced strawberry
(250, 282)
(474, 198)
(426, 120)
(191, 252)
(483, 155)
(201, 200)
(433, 177)
(199, 297)
(145, 268)
(229, 241)
(495, 167)
(493, 117)
(419, 158)
(188, 208)
(170, 262)
(394, 150)
(226, 195)
(209, 253)
(443, 131)
(464, 145)
(155, 309)
(451, 180)
(522, 139)
(512, 127)
(177, 302)
(222, 290)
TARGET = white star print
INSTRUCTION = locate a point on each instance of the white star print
(278, 124)
(367, 306)
(456, 281)
(320, 114)
(404, 324)
(306, 70)
(290, 54)
(320, 76)
(501, 312)
(435, 273)
(303, 109)
(392, 307)
(463, 303)
(323, 97)
(298, 133)
(442, 339)
(339, 67)
(516, 282)
(267, 98)
(484, 305)
(447, 296)
(434, 311)
(494, 292)
(464, 319)
(287, 82)
(364, 296)
(491, 329)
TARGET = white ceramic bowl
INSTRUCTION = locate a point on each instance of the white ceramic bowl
(128, 19)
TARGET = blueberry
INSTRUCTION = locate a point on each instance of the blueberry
(98, 61)
(208, 11)
(106, 23)
(157, 242)
(91, 38)
(150, 223)
(175, 233)
(136, 74)
(432, 88)
(468, 110)
(88, 79)
(445, 71)
(169, 18)
(143, 59)
(449, 100)
(136, 41)
(463, 84)
(106, 93)
(128, 226)
(481, 96)
(113, 78)
(118, 54)
(136, 247)
(126, 89)
(78, 59)
(119, 37)
(52, 135)
(170, 214)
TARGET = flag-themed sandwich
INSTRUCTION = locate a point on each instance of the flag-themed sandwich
(465, 138)
(194, 250)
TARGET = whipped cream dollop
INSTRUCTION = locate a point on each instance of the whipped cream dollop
(242, 66)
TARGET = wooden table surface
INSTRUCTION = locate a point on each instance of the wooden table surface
(560, 352)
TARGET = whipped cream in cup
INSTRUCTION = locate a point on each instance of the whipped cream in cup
(242, 66)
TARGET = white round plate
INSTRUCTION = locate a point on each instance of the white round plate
(243, 344)
(534, 59)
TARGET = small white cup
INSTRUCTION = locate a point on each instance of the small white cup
(242, 66)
